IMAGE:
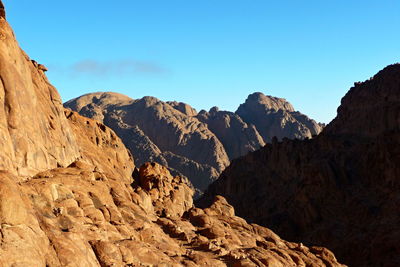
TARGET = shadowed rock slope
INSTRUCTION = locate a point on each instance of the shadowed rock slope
(70, 194)
(196, 145)
(340, 189)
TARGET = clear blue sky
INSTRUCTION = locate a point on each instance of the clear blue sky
(211, 52)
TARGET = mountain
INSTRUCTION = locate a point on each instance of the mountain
(70, 194)
(340, 189)
(275, 117)
(156, 131)
(195, 145)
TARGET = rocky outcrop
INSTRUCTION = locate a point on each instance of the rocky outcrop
(78, 216)
(339, 189)
(275, 117)
(35, 134)
(92, 207)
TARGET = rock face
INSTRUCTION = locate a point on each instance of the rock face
(29, 143)
(275, 117)
(196, 145)
(339, 189)
(86, 204)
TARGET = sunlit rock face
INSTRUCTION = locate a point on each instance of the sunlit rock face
(339, 189)
(35, 134)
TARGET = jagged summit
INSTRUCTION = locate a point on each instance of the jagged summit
(269, 102)
(275, 117)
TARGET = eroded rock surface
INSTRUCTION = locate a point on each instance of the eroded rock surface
(78, 216)
(35, 134)
(339, 189)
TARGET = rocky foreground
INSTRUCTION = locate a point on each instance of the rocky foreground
(341, 188)
(70, 194)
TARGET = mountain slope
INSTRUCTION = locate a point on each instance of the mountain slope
(339, 189)
(196, 145)
(156, 131)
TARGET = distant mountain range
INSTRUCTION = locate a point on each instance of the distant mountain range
(195, 145)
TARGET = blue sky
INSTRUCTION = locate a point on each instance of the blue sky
(211, 52)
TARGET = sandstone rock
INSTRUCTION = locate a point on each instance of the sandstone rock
(42, 67)
(339, 189)
(101, 147)
(35, 133)
(171, 196)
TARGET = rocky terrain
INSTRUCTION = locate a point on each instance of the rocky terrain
(196, 145)
(70, 194)
(340, 189)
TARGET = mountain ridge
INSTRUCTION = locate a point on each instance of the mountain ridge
(229, 135)
(338, 188)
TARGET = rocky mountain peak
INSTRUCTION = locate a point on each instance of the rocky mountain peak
(268, 102)
(370, 108)
(275, 117)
